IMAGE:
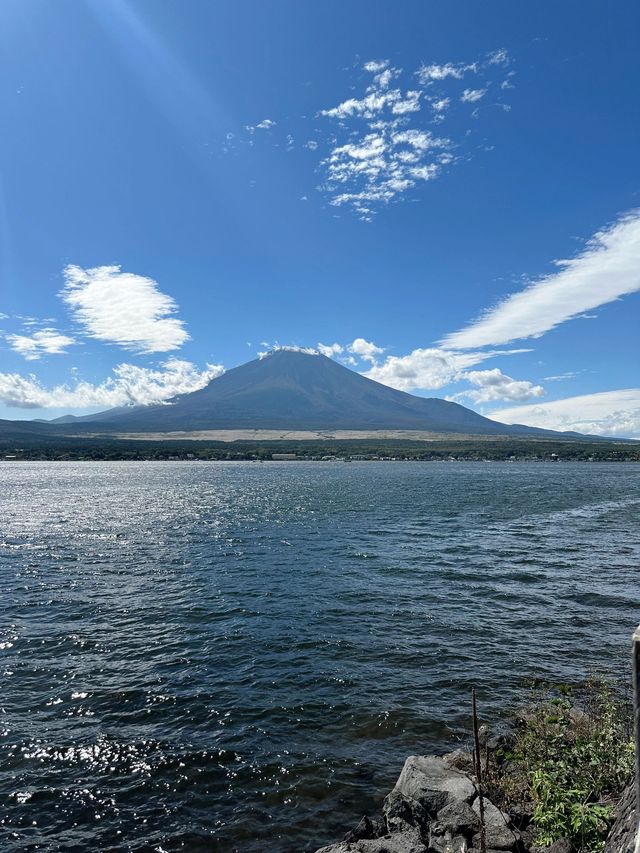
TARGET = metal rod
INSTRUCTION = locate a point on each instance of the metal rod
(478, 763)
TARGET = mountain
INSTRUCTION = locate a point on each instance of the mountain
(294, 390)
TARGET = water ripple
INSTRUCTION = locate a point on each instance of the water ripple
(226, 657)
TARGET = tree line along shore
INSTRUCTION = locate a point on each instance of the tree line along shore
(62, 448)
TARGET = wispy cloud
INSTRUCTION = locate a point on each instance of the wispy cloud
(129, 385)
(614, 413)
(123, 308)
(42, 342)
(428, 74)
(384, 147)
(470, 96)
(559, 377)
(608, 268)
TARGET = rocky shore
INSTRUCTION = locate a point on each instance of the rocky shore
(435, 808)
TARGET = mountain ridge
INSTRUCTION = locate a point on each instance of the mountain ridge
(297, 391)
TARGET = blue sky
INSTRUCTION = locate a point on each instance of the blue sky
(443, 195)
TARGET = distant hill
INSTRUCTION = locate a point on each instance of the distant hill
(295, 391)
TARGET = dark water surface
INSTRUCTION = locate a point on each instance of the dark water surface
(238, 657)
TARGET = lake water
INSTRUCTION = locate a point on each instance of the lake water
(238, 657)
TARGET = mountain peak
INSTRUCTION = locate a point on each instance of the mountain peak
(298, 389)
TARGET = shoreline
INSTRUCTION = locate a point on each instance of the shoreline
(470, 800)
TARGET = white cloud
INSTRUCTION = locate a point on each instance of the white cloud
(427, 368)
(470, 96)
(266, 124)
(43, 342)
(569, 374)
(276, 347)
(440, 104)
(365, 350)
(129, 385)
(383, 80)
(374, 66)
(123, 308)
(330, 349)
(382, 149)
(380, 166)
(495, 385)
(498, 57)
(613, 413)
(429, 73)
(607, 269)
(374, 103)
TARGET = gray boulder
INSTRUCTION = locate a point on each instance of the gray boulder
(431, 782)
(477, 850)
(458, 819)
(402, 813)
(401, 842)
(445, 842)
(498, 834)
(460, 759)
(367, 828)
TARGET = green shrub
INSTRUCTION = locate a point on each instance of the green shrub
(572, 757)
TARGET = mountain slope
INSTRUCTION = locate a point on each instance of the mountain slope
(295, 390)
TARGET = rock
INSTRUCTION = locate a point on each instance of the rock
(367, 828)
(477, 850)
(459, 759)
(498, 834)
(401, 842)
(429, 781)
(402, 813)
(500, 736)
(563, 845)
(577, 715)
(528, 837)
(523, 716)
(499, 740)
(622, 836)
(497, 839)
(445, 842)
(458, 819)
(521, 814)
(492, 814)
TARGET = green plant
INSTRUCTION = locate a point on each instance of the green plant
(571, 758)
